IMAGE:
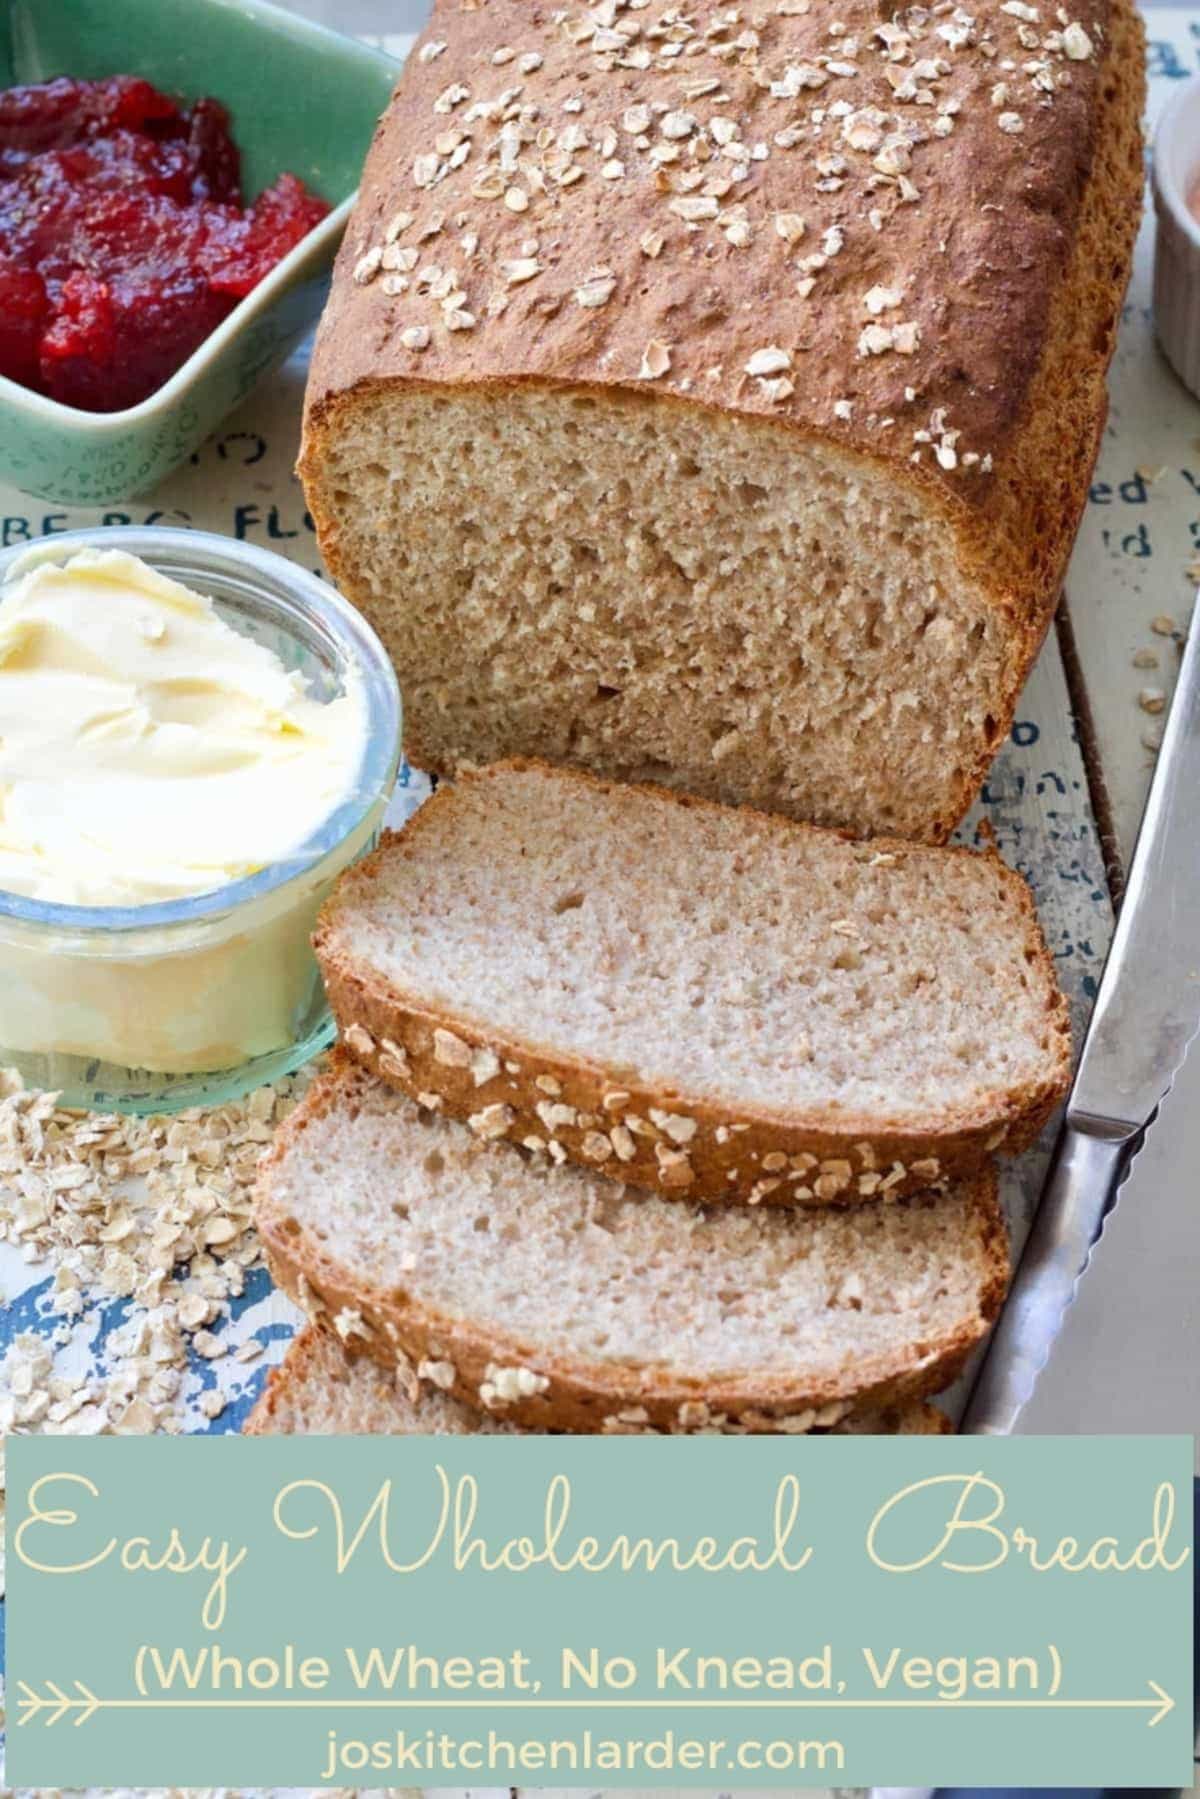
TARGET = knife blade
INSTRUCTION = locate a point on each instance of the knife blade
(1146, 1013)
(1127, 1360)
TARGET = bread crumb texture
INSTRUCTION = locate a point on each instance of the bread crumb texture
(558, 1297)
(643, 979)
(710, 392)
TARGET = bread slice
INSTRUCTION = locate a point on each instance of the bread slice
(744, 451)
(320, 1390)
(553, 1297)
(702, 1000)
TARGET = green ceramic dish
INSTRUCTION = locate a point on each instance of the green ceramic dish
(302, 99)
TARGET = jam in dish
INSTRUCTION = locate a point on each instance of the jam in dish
(123, 238)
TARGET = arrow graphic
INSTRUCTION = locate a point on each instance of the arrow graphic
(1167, 1704)
(56, 1704)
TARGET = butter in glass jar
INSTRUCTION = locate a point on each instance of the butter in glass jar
(195, 738)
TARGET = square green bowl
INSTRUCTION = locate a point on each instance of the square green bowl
(302, 99)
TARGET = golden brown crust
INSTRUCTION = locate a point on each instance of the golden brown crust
(981, 252)
(1035, 504)
(709, 1150)
(313, 1351)
(1012, 259)
(580, 1397)
(278, 1395)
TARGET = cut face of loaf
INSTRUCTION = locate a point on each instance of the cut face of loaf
(320, 1390)
(656, 594)
(554, 1299)
(697, 999)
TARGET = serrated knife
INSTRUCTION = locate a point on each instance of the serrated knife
(1127, 1362)
(1147, 1012)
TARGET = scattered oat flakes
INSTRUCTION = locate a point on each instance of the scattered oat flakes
(493, 1121)
(694, 208)
(656, 360)
(439, 1373)
(882, 299)
(771, 361)
(623, 1143)
(349, 1323)
(485, 1066)
(156, 1210)
(596, 288)
(503, 1386)
(674, 1125)
(520, 269)
(555, 1115)
(781, 387)
(450, 1050)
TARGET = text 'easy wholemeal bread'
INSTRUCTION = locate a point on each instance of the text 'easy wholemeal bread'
(709, 393)
(694, 998)
(557, 1299)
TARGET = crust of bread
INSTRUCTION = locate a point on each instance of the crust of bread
(581, 1396)
(726, 1157)
(1021, 366)
(311, 1350)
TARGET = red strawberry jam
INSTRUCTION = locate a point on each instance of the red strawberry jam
(123, 238)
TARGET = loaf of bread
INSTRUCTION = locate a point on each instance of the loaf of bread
(696, 998)
(321, 1390)
(710, 394)
(555, 1299)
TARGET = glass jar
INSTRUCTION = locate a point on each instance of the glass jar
(195, 1001)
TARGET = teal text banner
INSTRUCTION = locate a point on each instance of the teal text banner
(601, 1612)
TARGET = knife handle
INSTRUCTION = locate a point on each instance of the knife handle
(1086, 1170)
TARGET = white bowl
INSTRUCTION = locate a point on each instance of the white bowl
(1176, 171)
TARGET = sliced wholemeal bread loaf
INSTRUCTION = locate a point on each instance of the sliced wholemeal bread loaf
(552, 1296)
(320, 1390)
(770, 494)
(699, 999)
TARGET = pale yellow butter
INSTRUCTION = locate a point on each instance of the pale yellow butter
(149, 752)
